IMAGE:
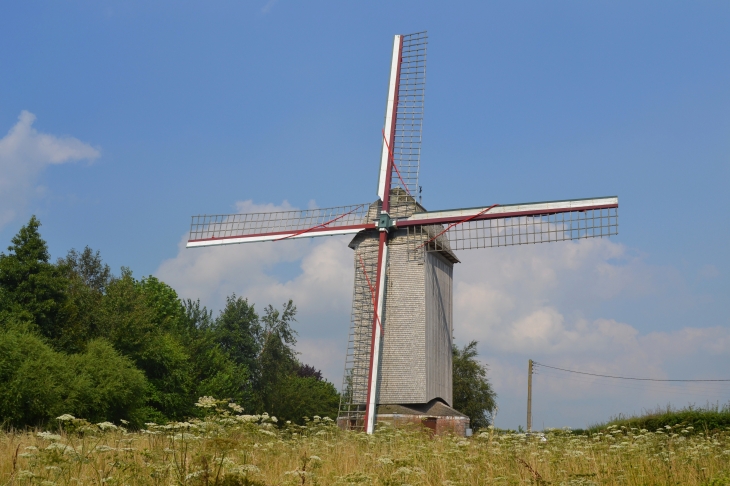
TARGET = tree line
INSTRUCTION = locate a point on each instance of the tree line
(75, 338)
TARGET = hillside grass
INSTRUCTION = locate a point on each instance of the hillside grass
(229, 448)
(699, 419)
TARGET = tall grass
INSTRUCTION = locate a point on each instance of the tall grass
(708, 418)
(230, 448)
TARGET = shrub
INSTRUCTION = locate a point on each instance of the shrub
(40, 384)
(701, 419)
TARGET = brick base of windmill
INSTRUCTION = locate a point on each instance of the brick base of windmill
(435, 416)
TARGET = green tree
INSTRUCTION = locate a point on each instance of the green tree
(35, 290)
(136, 320)
(238, 332)
(277, 358)
(298, 397)
(88, 278)
(39, 383)
(215, 373)
(473, 394)
(89, 268)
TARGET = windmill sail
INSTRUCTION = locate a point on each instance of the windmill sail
(409, 115)
(226, 229)
(515, 224)
(404, 115)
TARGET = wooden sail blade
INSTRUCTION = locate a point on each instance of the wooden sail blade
(376, 334)
(401, 148)
(509, 211)
(391, 106)
(226, 229)
(515, 224)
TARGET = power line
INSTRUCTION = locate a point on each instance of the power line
(717, 389)
(621, 377)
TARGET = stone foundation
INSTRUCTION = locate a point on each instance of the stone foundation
(434, 415)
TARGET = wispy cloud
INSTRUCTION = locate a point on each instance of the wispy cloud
(268, 6)
(24, 154)
(319, 276)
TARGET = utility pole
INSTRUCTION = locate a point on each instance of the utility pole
(529, 396)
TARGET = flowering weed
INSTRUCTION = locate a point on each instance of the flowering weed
(229, 448)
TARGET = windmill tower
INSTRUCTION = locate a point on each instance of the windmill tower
(399, 350)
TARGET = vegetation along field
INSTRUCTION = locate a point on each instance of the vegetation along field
(228, 447)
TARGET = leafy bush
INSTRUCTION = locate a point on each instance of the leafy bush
(40, 384)
(298, 397)
(473, 394)
(699, 419)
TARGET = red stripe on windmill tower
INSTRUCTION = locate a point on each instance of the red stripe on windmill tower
(398, 360)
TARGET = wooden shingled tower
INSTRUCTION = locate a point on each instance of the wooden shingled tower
(399, 351)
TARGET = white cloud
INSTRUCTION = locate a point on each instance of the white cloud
(540, 302)
(317, 275)
(24, 154)
(552, 303)
(268, 6)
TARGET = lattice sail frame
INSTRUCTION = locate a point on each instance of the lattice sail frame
(511, 231)
(409, 115)
(207, 230)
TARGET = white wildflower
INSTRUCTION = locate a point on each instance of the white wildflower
(57, 446)
(236, 407)
(66, 417)
(206, 402)
(194, 474)
(245, 469)
(49, 436)
(106, 426)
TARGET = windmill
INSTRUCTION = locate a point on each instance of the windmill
(400, 341)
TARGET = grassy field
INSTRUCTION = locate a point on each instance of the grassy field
(229, 448)
(704, 419)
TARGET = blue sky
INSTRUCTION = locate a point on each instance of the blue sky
(149, 112)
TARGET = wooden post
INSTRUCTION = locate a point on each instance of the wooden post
(529, 396)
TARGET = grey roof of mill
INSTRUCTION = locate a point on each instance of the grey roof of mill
(434, 408)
